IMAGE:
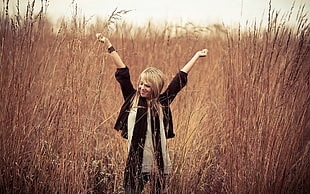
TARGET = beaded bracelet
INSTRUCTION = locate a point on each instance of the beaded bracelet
(111, 49)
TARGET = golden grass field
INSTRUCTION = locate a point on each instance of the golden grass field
(241, 123)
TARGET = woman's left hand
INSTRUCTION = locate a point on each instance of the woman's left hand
(202, 53)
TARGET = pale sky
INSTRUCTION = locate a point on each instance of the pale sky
(201, 12)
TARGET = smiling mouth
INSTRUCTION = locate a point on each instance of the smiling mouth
(143, 93)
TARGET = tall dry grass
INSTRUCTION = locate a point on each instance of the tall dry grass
(268, 102)
(242, 122)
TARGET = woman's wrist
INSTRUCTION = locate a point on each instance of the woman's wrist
(111, 49)
(196, 57)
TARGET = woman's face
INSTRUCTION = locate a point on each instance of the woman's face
(145, 90)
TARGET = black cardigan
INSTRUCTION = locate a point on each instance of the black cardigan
(123, 77)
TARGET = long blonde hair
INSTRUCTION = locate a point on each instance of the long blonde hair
(156, 79)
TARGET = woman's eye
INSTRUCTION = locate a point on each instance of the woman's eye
(145, 85)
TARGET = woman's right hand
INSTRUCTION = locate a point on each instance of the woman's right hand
(103, 39)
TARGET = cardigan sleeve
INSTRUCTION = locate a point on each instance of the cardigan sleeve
(175, 86)
(123, 77)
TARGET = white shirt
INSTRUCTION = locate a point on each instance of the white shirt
(148, 152)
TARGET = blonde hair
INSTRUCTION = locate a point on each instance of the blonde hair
(156, 79)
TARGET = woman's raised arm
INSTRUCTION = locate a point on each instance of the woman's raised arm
(189, 65)
(115, 56)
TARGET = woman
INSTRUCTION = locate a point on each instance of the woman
(145, 120)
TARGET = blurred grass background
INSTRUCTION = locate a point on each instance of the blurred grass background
(241, 123)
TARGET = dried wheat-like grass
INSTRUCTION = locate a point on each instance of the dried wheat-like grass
(242, 121)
